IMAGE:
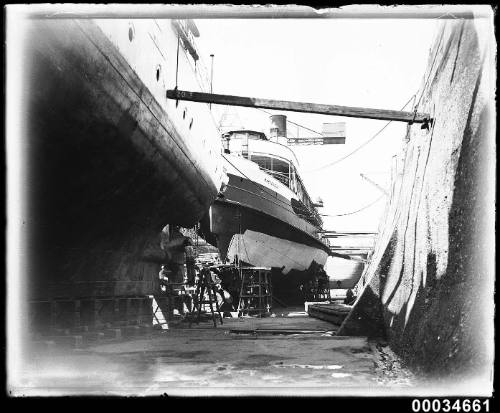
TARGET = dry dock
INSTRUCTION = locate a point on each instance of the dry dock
(106, 174)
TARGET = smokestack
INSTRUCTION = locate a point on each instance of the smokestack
(277, 131)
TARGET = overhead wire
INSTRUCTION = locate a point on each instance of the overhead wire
(413, 97)
(429, 73)
(355, 212)
(373, 137)
(415, 108)
(363, 144)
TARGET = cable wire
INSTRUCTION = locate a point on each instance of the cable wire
(360, 146)
(355, 212)
(430, 72)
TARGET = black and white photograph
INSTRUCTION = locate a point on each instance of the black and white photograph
(251, 201)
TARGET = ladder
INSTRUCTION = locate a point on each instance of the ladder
(255, 291)
(206, 285)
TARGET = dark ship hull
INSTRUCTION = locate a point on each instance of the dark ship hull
(109, 161)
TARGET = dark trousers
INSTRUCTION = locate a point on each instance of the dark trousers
(177, 275)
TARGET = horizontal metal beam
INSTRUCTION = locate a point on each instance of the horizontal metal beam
(322, 109)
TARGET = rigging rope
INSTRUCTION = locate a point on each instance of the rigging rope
(430, 72)
(355, 212)
(360, 146)
(177, 61)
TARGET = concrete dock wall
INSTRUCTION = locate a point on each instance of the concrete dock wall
(429, 286)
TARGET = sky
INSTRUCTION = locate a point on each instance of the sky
(373, 63)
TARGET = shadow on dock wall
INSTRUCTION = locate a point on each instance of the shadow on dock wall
(432, 270)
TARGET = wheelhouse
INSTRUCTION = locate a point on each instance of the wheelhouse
(277, 160)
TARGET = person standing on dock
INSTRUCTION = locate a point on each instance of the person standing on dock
(175, 254)
(163, 276)
(190, 264)
(350, 298)
(175, 258)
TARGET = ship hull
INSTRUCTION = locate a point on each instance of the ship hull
(348, 272)
(273, 252)
(108, 162)
(256, 213)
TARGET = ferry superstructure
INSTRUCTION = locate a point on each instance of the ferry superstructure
(265, 217)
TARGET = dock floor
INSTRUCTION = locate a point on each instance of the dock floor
(289, 354)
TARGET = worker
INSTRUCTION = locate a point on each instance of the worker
(349, 299)
(164, 237)
(323, 285)
(322, 280)
(190, 264)
(175, 254)
(163, 276)
(175, 257)
(225, 302)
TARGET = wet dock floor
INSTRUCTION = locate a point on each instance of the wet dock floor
(287, 354)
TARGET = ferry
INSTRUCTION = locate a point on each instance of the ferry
(265, 216)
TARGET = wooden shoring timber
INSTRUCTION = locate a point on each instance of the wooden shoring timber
(318, 108)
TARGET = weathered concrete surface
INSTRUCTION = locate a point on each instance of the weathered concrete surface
(430, 283)
(201, 361)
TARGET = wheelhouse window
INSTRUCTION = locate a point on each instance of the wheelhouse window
(264, 162)
(281, 171)
(275, 167)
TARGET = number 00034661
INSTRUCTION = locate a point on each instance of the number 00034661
(445, 405)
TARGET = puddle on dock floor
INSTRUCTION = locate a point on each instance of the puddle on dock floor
(306, 358)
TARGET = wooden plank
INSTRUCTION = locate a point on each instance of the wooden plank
(278, 331)
(323, 109)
